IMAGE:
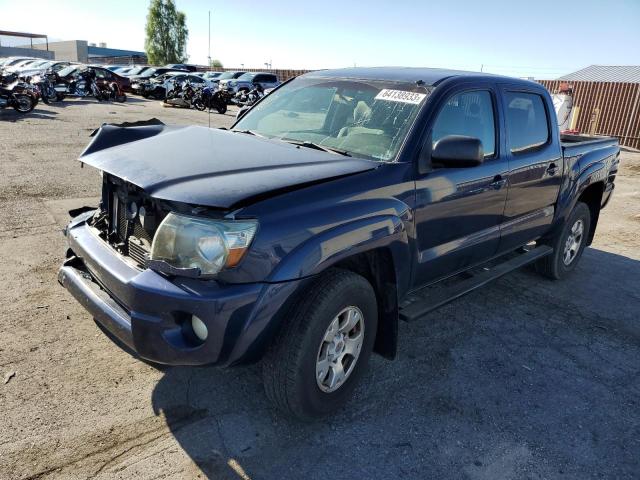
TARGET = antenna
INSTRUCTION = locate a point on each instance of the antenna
(209, 106)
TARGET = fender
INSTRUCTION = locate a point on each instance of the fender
(583, 174)
(331, 246)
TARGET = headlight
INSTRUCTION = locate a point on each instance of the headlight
(201, 245)
(232, 84)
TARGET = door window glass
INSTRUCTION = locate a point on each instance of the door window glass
(527, 126)
(469, 114)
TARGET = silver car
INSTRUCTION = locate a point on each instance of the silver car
(248, 81)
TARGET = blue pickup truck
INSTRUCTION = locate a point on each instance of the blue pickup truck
(342, 202)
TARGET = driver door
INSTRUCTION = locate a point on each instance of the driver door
(459, 210)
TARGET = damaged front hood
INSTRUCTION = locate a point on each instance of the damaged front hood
(214, 168)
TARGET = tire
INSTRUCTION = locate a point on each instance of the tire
(292, 363)
(199, 105)
(60, 96)
(222, 109)
(564, 259)
(24, 103)
(121, 98)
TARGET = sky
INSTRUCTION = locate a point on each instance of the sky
(541, 39)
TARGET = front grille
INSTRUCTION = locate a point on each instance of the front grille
(139, 250)
(127, 232)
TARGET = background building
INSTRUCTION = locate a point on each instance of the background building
(606, 101)
(14, 44)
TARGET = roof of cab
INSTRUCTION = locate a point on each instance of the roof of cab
(430, 76)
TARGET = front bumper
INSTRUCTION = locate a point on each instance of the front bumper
(149, 312)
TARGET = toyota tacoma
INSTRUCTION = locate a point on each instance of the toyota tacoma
(342, 202)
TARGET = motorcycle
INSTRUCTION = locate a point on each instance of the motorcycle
(247, 99)
(113, 92)
(181, 95)
(46, 83)
(13, 93)
(205, 98)
(83, 84)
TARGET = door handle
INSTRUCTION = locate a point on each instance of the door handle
(498, 182)
(552, 169)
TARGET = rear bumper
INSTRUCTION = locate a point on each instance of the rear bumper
(151, 313)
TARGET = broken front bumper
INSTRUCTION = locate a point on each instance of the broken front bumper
(148, 312)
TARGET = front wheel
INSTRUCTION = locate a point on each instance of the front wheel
(222, 109)
(323, 349)
(568, 244)
(198, 104)
(24, 103)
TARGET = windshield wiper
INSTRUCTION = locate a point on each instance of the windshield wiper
(316, 146)
(250, 132)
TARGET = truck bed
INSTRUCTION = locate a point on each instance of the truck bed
(579, 144)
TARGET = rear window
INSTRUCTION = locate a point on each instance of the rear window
(527, 126)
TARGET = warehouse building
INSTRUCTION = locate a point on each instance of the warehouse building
(606, 101)
(39, 46)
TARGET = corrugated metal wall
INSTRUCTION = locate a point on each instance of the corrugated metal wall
(282, 73)
(606, 108)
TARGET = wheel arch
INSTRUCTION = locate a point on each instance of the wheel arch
(592, 197)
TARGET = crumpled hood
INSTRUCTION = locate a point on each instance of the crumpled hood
(208, 167)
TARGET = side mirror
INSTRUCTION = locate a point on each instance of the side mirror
(458, 151)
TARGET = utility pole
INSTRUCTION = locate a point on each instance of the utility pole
(209, 57)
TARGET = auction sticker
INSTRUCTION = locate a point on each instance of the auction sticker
(400, 96)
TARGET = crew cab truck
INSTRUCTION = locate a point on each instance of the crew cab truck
(340, 203)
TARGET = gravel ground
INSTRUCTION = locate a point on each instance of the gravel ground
(525, 378)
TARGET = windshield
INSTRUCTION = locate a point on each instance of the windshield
(148, 73)
(67, 70)
(364, 118)
(226, 75)
(246, 77)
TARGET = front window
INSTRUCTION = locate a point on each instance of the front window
(247, 77)
(226, 75)
(362, 118)
(68, 70)
(148, 73)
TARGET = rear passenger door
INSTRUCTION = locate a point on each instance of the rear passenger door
(535, 165)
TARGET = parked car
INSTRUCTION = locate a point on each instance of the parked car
(138, 80)
(136, 70)
(210, 75)
(248, 81)
(230, 75)
(340, 203)
(103, 78)
(42, 68)
(182, 66)
(11, 61)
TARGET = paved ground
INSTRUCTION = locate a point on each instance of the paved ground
(524, 379)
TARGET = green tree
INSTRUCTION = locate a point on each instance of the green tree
(167, 33)
(215, 63)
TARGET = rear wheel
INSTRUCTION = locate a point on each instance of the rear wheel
(568, 244)
(323, 349)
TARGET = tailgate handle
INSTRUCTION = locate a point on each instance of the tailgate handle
(553, 169)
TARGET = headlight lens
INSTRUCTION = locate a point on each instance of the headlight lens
(186, 242)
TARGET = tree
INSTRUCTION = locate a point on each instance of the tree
(215, 63)
(167, 33)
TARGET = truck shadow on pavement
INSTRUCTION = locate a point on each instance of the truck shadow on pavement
(525, 378)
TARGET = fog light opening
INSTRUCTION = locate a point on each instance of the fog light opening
(199, 328)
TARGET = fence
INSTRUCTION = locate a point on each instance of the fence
(605, 108)
(282, 74)
(121, 60)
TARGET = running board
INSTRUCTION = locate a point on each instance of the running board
(430, 298)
